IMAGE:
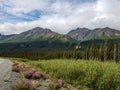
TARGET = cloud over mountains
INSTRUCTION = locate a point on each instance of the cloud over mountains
(59, 15)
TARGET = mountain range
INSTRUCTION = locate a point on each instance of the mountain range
(83, 34)
(35, 34)
(42, 39)
(78, 34)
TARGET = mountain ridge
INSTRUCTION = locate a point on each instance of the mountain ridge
(83, 34)
(36, 34)
(79, 34)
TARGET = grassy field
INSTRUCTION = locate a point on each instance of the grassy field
(93, 74)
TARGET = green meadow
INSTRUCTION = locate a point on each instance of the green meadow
(83, 73)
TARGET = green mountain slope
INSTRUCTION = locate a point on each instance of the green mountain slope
(37, 39)
(38, 34)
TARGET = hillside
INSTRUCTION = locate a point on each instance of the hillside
(83, 34)
(39, 39)
(36, 39)
(79, 34)
(36, 34)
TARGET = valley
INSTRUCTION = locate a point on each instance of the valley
(90, 58)
(59, 45)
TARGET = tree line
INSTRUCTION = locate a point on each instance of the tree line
(104, 52)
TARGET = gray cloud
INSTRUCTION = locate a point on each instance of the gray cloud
(62, 16)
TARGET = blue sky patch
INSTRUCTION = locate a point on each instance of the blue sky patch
(30, 16)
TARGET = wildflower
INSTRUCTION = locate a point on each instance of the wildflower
(36, 75)
(16, 68)
(28, 74)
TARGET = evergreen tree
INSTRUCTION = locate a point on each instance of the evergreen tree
(115, 52)
(105, 51)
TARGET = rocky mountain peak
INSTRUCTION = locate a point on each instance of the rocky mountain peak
(87, 34)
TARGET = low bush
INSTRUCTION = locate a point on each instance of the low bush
(16, 68)
(22, 85)
(93, 74)
(25, 85)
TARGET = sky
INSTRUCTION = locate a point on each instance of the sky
(60, 16)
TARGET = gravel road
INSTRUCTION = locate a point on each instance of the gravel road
(5, 71)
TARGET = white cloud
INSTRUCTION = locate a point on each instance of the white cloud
(62, 16)
(18, 7)
(107, 14)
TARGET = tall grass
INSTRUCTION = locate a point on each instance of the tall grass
(93, 74)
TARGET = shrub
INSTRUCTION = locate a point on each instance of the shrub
(57, 85)
(22, 85)
(36, 75)
(60, 84)
(28, 74)
(33, 74)
(14, 64)
(25, 85)
(16, 68)
(93, 74)
(52, 86)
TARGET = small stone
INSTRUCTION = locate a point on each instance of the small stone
(6, 79)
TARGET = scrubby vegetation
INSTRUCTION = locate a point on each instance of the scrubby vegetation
(23, 85)
(96, 50)
(93, 74)
(81, 67)
(34, 79)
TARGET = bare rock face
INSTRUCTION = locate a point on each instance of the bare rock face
(30, 35)
(83, 34)
(37, 32)
(34, 33)
(79, 33)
